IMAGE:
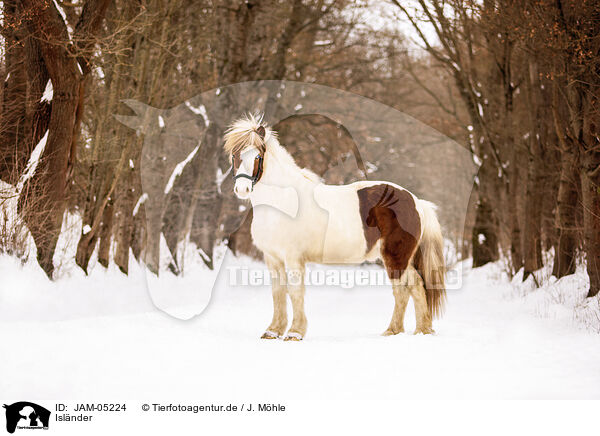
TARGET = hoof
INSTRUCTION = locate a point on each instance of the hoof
(269, 335)
(390, 332)
(425, 331)
(292, 336)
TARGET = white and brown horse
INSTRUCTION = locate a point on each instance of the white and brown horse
(362, 221)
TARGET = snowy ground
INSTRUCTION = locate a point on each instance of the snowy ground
(102, 337)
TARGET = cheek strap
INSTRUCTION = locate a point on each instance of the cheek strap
(255, 175)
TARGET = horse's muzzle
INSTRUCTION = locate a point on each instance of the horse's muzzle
(242, 189)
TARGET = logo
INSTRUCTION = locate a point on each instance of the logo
(26, 415)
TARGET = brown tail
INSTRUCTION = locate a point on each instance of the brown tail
(429, 260)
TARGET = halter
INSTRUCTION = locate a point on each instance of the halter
(254, 177)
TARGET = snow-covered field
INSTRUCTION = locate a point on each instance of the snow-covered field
(102, 337)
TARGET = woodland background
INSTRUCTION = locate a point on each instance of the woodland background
(515, 82)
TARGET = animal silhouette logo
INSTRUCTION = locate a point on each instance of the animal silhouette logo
(187, 189)
(26, 415)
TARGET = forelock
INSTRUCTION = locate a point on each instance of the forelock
(245, 133)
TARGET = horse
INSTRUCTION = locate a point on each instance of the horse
(333, 224)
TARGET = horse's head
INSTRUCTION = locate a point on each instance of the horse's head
(245, 142)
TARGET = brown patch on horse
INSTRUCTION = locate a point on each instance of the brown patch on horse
(236, 161)
(390, 214)
(257, 171)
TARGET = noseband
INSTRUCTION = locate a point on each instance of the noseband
(254, 177)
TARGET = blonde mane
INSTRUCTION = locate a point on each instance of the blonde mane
(243, 133)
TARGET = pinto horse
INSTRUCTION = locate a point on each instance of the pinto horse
(362, 221)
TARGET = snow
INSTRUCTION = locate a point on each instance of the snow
(34, 160)
(99, 72)
(200, 110)
(371, 168)
(221, 176)
(179, 169)
(69, 28)
(205, 256)
(140, 201)
(561, 299)
(104, 334)
(48, 92)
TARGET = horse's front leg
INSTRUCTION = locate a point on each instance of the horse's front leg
(280, 321)
(295, 288)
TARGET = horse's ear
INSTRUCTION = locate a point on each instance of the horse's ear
(261, 132)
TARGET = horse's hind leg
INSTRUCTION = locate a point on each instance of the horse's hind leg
(417, 290)
(280, 321)
(401, 296)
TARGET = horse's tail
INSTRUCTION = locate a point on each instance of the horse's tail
(429, 259)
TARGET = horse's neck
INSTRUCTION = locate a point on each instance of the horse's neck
(282, 184)
(281, 170)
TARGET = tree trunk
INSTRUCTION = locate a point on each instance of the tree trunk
(201, 217)
(532, 237)
(550, 187)
(533, 219)
(85, 249)
(105, 235)
(42, 203)
(566, 215)
(484, 239)
(124, 233)
(516, 251)
(590, 190)
(138, 238)
(14, 104)
(583, 116)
